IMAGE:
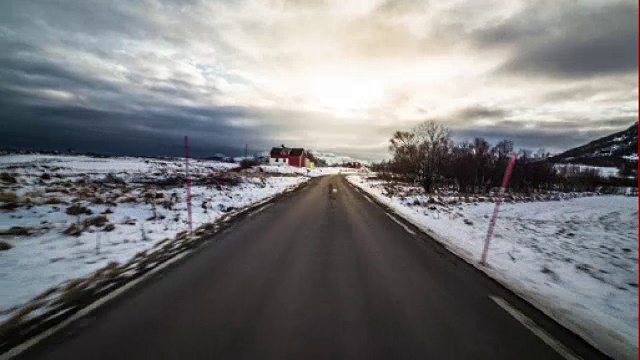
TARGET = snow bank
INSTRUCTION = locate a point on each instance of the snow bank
(574, 259)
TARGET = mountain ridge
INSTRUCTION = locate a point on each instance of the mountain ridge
(610, 150)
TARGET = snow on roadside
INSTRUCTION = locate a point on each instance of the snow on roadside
(142, 214)
(575, 259)
(291, 170)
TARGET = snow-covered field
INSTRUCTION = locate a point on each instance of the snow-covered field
(575, 259)
(68, 164)
(602, 171)
(122, 206)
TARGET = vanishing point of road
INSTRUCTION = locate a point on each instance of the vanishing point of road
(322, 273)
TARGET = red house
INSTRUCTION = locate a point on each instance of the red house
(297, 157)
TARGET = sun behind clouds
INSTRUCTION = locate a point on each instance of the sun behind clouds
(342, 95)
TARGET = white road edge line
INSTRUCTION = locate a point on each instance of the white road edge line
(18, 349)
(401, 224)
(260, 209)
(405, 227)
(536, 329)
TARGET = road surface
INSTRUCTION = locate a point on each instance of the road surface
(320, 274)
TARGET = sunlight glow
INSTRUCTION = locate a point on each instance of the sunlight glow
(341, 95)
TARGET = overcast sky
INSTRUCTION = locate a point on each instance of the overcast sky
(136, 76)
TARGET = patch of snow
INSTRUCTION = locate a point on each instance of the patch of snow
(49, 257)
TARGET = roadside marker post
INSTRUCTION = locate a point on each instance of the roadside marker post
(186, 148)
(492, 223)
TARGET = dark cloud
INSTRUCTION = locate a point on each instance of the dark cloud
(479, 112)
(568, 41)
(36, 123)
(99, 19)
(117, 132)
(574, 93)
(38, 73)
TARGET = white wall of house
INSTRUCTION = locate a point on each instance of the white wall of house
(278, 161)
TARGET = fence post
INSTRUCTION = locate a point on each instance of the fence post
(496, 209)
(186, 148)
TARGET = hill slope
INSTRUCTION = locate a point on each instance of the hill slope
(611, 150)
(333, 159)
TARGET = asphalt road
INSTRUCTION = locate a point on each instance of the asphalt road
(316, 275)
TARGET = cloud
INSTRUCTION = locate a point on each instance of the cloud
(567, 40)
(134, 77)
(480, 112)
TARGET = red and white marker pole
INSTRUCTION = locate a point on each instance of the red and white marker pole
(186, 148)
(492, 224)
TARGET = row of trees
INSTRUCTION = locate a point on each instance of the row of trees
(426, 155)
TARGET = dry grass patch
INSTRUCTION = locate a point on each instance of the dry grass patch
(16, 231)
(78, 210)
(77, 229)
(74, 230)
(8, 196)
(128, 200)
(97, 221)
(8, 178)
(55, 201)
(9, 206)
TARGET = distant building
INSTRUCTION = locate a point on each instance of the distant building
(283, 155)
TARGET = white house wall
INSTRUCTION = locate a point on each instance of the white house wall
(278, 161)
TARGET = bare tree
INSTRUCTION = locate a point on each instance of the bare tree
(434, 143)
(426, 155)
(458, 165)
(503, 149)
(482, 157)
(406, 157)
(541, 153)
